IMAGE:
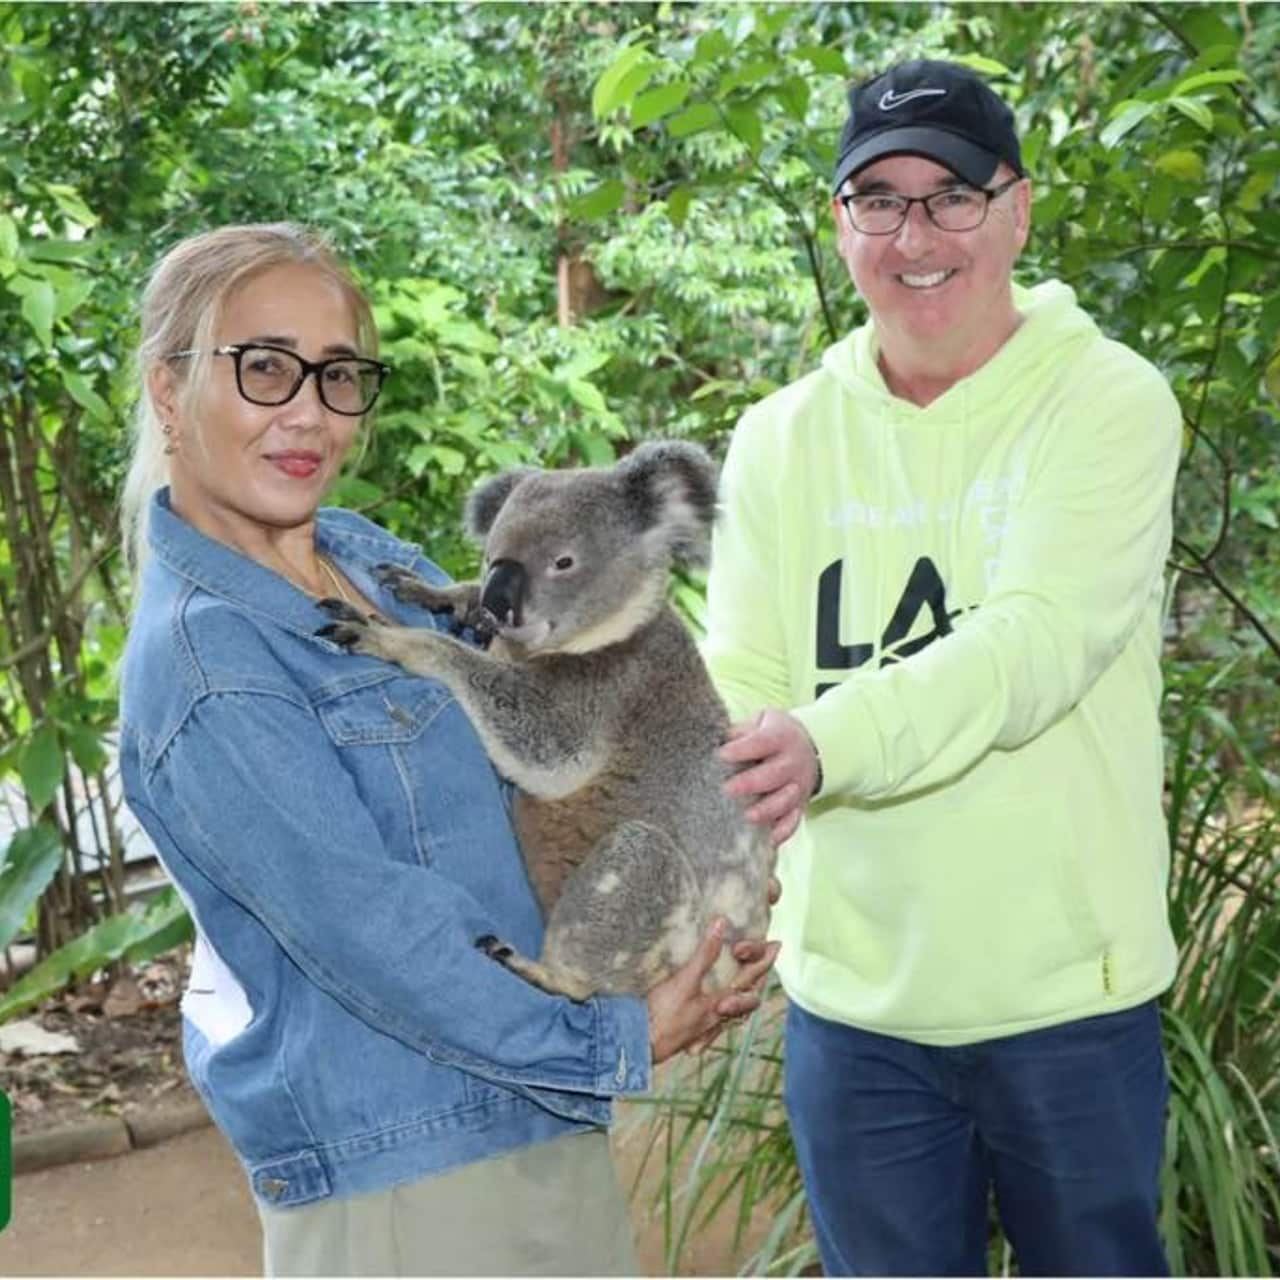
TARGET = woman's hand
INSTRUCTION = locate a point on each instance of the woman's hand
(681, 1016)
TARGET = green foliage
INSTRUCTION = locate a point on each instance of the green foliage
(134, 935)
(29, 862)
(660, 174)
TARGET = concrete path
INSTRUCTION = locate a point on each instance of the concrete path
(178, 1209)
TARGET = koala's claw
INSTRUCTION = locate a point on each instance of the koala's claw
(493, 947)
(340, 609)
(408, 587)
(344, 634)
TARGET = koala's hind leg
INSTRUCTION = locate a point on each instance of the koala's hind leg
(628, 916)
(559, 982)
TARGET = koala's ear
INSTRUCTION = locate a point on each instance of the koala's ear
(487, 499)
(671, 487)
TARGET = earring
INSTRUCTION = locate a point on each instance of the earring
(168, 431)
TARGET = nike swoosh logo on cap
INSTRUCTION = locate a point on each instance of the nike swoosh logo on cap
(889, 99)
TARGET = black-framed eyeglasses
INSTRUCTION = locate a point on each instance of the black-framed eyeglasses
(269, 375)
(881, 213)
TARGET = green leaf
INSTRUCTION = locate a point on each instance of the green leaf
(1126, 116)
(678, 205)
(1271, 378)
(1186, 166)
(137, 935)
(42, 766)
(1205, 79)
(1257, 186)
(749, 73)
(694, 119)
(794, 96)
(452, 462)
(165, 925)
(658, 102)
(625, 76)
(983, 66)
(820, 58)
(467, 336)
(746, 127)
(86, 747)
(587, 394)
(1194, 111)
(69, 201)
(596, 450)
(598, 202)
(86, 397)
(38, 303)
(710, 46)
(583, 364)
(29, 863)
(8, 238)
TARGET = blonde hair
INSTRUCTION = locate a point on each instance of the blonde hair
(181, 307)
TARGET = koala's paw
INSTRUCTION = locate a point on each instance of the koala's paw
(351, 629)
(493, 947)
(409, 588)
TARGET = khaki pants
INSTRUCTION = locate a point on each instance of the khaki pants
(553, 1209)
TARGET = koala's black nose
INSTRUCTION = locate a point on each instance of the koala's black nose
(503, 592)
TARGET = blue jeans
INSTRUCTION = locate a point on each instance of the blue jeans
(900, 1145)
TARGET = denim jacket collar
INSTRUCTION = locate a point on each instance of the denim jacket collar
(353, 544)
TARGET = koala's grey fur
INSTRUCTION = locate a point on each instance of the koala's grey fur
(594, 701)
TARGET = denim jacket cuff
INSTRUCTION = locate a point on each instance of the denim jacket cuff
(624, 1064)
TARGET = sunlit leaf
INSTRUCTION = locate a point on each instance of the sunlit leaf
(694, 119)
(659, 102)
(1127, 116)
(42, 766)
(629, 72)
(85, 396)
(29, 863)
(598, 202)
(1194, 111)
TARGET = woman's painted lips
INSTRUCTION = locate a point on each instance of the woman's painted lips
(297, 463)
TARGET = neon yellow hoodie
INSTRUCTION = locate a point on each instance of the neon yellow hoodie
(962, 605)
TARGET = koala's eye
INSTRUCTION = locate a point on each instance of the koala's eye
(564, 563)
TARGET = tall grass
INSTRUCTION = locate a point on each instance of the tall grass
(720, 1131)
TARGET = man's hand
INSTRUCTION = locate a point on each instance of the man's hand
(784, 769)
(681, 1016)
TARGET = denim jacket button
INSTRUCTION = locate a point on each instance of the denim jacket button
(400, 715)
(273, 1188)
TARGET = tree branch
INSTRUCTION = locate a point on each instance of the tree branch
(1205, 569)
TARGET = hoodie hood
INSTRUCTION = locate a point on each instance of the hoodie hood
(1052, 325)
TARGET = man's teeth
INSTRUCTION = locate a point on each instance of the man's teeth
(926, 282)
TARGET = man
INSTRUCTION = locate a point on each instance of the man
(943, 552)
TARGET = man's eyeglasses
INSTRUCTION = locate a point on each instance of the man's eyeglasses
(881, 213)
(270, 375)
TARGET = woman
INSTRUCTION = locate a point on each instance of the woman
(402, 1104)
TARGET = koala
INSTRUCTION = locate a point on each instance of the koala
(593, 700)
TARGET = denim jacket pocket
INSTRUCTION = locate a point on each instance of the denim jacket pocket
(390, 707)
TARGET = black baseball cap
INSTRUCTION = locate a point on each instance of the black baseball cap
(939, 110)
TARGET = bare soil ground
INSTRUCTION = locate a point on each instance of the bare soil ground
(129, 1050)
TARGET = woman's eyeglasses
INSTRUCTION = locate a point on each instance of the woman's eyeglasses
(270, 375)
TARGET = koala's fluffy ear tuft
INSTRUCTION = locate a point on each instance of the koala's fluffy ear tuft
(487, 499)
(671, 486)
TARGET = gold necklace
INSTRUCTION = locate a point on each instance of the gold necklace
(333, 577)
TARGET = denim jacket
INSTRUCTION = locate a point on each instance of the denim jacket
(341, 840)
